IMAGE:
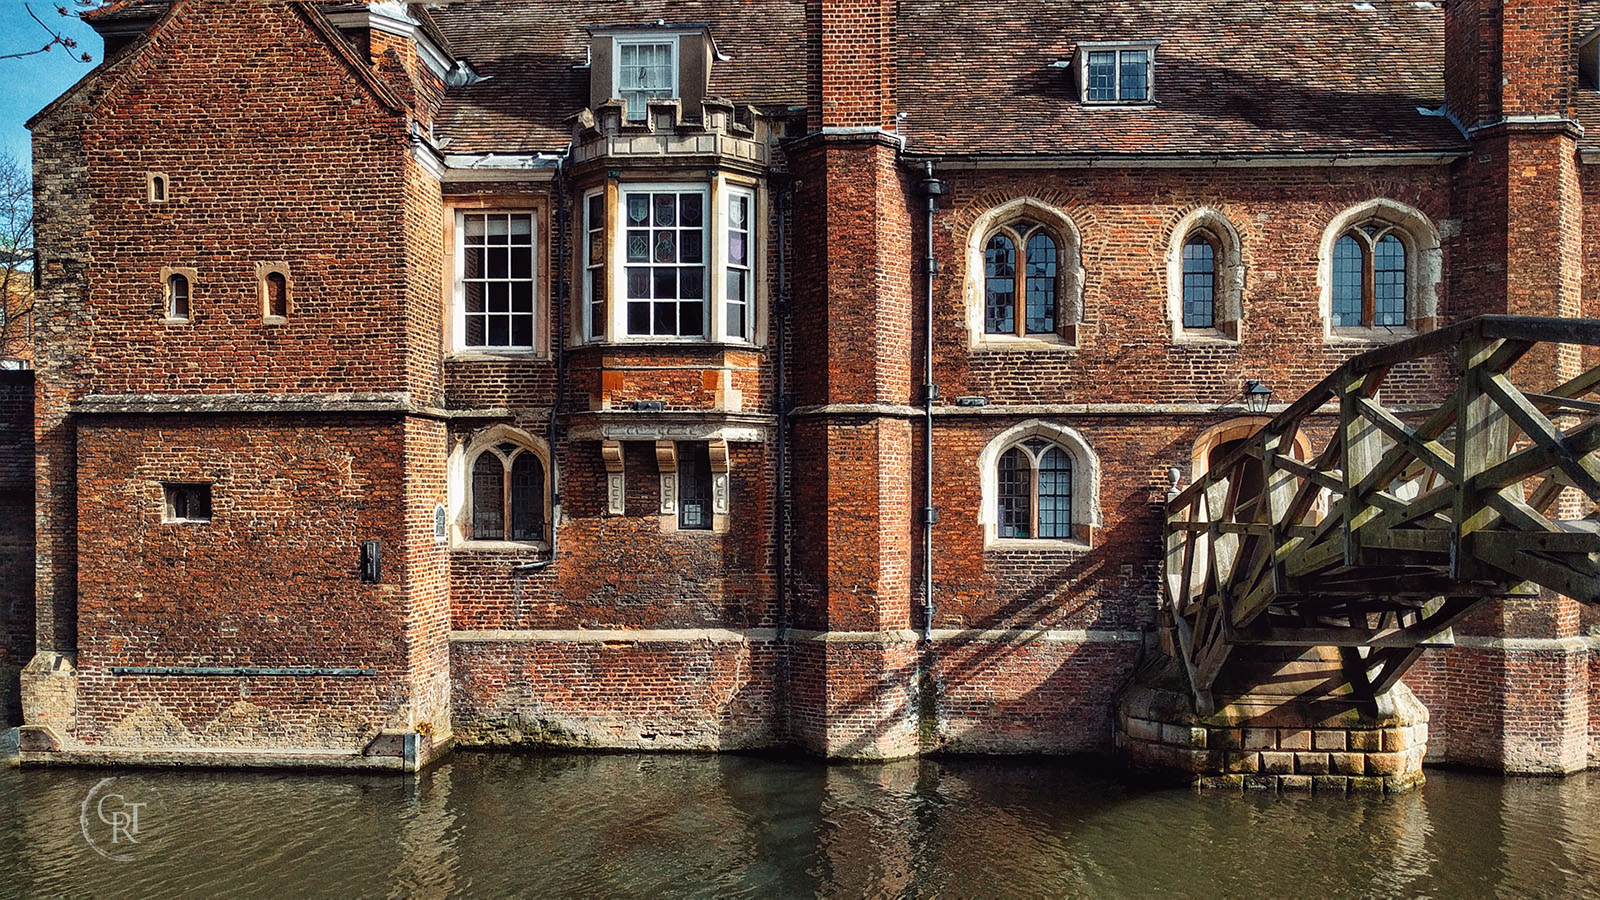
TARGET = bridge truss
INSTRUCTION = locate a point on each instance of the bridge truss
(1408, 518)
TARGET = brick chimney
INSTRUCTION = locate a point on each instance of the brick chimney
(1512, 60)
(852, 64)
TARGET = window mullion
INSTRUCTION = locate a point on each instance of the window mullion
(1369, 286)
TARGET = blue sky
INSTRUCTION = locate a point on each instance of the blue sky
(27, 84)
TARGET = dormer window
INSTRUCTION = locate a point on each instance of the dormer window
(1589, 60)
(1116, 74)
(640, 63)
(647, 69)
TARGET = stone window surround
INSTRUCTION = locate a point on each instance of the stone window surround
(718, 189)
(1424, 270)
(166, 280)
(453, 300)
(721, 487)
(459, 500)
(1229, 279)
(171, 494)
(1069, 276)
(1085, 487)
(263, 269)
(158, 187)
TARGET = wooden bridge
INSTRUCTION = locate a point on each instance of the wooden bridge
(1417, 509)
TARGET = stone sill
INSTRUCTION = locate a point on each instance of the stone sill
(1006, 545)
(530, 354)
(502, 547)
(1368, 336)
(1001, 344)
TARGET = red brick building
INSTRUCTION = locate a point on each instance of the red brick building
(565, 373)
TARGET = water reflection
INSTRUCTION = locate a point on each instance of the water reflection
(497, 825)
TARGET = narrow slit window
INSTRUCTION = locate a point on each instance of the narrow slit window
(277, 290)
(177, 296)
(738, 267)
(158, 188)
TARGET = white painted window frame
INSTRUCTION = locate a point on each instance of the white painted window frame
(458, 302)
(638, 40)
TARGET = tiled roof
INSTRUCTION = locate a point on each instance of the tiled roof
(530, 50)
(975, 76)
(1231, 77)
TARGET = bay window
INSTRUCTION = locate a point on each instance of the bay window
(681, 268)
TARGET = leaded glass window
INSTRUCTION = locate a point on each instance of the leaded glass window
(1034, 481)
(1199, 282)
(508, 488)
(694, 487)
(1016, 494)
(645, 71)
(1117, 75)
(1019, 296)
(1000, 285)
(738, 286)
(497, 279)
(1369, 278)
(665, 262)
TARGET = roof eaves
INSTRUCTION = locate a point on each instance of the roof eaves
(341, 48)
(117, 61)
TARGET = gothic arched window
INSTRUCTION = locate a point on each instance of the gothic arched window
(1021, 261)
(1369, 277)
(507, 495)
(1035, 491)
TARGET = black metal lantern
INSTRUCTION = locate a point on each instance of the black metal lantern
(1257, 397)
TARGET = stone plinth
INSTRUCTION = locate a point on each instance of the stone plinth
(1330, 743)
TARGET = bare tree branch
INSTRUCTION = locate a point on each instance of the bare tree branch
(57, 38)
(16, 263)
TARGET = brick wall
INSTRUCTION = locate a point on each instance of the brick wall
(16, 537)
(272, 580)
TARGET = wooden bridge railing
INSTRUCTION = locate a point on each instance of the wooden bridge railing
(1406, 520)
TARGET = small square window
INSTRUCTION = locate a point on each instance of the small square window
(1112, 75)
(186, 502)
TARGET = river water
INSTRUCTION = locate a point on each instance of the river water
(622, 826)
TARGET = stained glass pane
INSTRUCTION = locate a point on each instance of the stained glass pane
(1389, 282)
(638, 209)
(1014, 490)
(666, 207)
(1347, 282)
(1000, 286)
(1199, 284)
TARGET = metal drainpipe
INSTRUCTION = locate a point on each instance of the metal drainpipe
(784, 193)
(932, 190)
(560, 227)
